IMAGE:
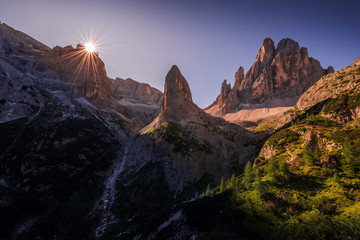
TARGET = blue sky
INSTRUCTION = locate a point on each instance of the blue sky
(208, 40)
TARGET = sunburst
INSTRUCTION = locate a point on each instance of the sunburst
(90, 47)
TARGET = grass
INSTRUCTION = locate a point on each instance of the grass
(181, 139)
(264, 127)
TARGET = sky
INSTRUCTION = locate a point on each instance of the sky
(208, 40)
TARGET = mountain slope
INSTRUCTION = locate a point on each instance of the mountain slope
(305, 183)
(72, 165)
(59, 149)
(342, 81)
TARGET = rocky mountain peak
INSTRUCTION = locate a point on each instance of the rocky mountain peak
(277, 77)
(287, 44)
(225, 89)
(177, 102)
(176, 85)
(330, 69)
(239, 76)
(266, 51)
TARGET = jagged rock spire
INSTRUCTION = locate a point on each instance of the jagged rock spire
(284, 72)
(177, 102)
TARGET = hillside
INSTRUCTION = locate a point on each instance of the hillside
(305, 183)
(345, 80)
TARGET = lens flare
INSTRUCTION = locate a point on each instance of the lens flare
(90, 47)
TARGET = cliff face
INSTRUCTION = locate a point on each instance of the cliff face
(84, 71)
(284, 72)
(177, 104)
(13, 41)
(136, 92)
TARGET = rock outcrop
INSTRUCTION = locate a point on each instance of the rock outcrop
(177, 104)
(84, 71)
(13, 41)
(136, 92)
(284, 72)
(330, 86)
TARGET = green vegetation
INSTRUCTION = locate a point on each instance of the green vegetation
(343, 103)
(208, 191)
(222, 184)
(182, 140)
(309, 156)
(264, 127)
(246, 181)
(309, 188)
(283, 138)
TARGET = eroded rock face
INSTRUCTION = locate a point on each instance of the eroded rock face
(138, 92)
(282, 73)
(13, 41)
(177, 102)
(84, 71)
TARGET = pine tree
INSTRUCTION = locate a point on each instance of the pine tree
(208, 191)
(222, 185)
(258, 184)
(326, 122)
(317, 153)
(337, 180)
(284, 168)
(351, 159)
(247, 176)
(312, 118)
(271, 167)
(233, 180)
(308, 156)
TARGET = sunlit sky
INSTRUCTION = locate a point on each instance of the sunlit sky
(208, 40)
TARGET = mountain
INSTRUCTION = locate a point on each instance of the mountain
(84, 156)
(83, 74)
(274, 83)
(305, 181)
(64, 137)
(73, 165)
(219, 147)
(55, 148)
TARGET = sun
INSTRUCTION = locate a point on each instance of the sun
(90, 47)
